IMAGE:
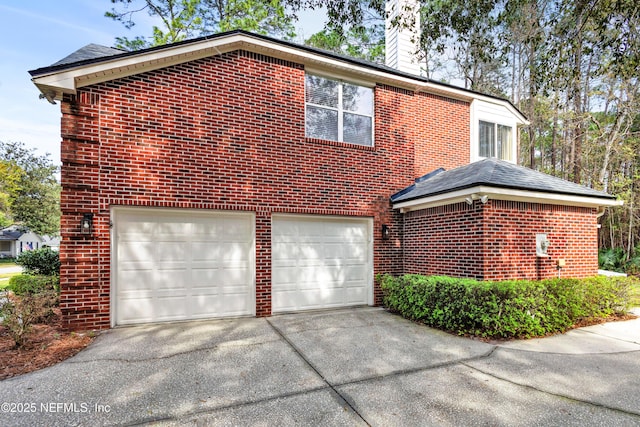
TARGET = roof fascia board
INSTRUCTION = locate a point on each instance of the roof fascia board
(495, 193)
(69, 80)
(436, 200)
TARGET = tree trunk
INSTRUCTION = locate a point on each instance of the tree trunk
(578, 128)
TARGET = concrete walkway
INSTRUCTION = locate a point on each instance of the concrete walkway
(347, 367)
(12, 269)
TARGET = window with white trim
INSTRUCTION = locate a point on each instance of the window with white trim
(495, 140)
(338, 111)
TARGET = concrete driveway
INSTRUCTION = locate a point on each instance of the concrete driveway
(359, 366)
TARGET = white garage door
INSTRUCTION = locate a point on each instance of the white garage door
(320, 262)
(182, 264)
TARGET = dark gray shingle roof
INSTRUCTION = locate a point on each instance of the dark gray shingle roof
(10, 235)
(93, 53)
(88, 53)
(493, 173)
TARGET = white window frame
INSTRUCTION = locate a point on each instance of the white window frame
(340, 110)
(496, 136)
(497, 115)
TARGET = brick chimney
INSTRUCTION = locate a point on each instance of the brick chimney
(402, 43)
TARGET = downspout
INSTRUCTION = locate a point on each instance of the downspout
(403, 242)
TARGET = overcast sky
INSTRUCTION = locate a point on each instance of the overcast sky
(37, 33)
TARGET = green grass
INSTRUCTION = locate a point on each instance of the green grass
(4, 279)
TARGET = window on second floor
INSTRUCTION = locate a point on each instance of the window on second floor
(338, 111)
(495, 140)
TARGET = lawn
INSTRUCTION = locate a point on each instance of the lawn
(4, 277)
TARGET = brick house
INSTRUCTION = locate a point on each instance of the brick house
(236, 175)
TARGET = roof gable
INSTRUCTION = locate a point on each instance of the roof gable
(96, 64)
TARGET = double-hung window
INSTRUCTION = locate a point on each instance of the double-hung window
(495, 141)
(338, 111)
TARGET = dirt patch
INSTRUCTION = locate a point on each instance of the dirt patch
(598, 321)
(47, 344)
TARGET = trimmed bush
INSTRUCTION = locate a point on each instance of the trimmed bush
(43, 261)
(32, 300)
(27, 284)
(20, 313)
(507, 309)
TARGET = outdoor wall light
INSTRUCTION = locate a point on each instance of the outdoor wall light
(86, 225)
(469, 201)
(386, 232)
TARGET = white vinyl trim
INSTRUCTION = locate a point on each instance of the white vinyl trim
(56, 83)
(495, 193)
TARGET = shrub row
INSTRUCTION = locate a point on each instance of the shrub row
(33, 296)
(27, 284)
(44, 261)
(507, 309)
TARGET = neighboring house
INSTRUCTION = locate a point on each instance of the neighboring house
(52, 242)
(236, 174)
(15, 240)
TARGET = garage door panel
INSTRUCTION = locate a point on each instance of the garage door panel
(325, 298)
(234, 305)
(170, 279)
(315, 259)
(169, 227)
(284, 251)
(202, 305)
(138, 310)
(204, 230)
(236, 277)
(136, 250)
(170, 308)
(337, 251)
(203, 276)
(206, 251)
(234, 252)
(171, 251)
(136, 279)
(234, 228)
(137, 228)
(353, 295)
(179, 265)
(321, 276)
(205, 290)
(354, 274)
(285, 277)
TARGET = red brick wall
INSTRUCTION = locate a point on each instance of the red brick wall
(446, 240)
(497, 241)
(436, 127)
(227, 132)
(510, 230)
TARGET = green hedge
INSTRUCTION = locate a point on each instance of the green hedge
(27, 284)
(507, 309)
(44, 261)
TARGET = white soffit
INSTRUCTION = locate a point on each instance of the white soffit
(55, 83)
(496, 193)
